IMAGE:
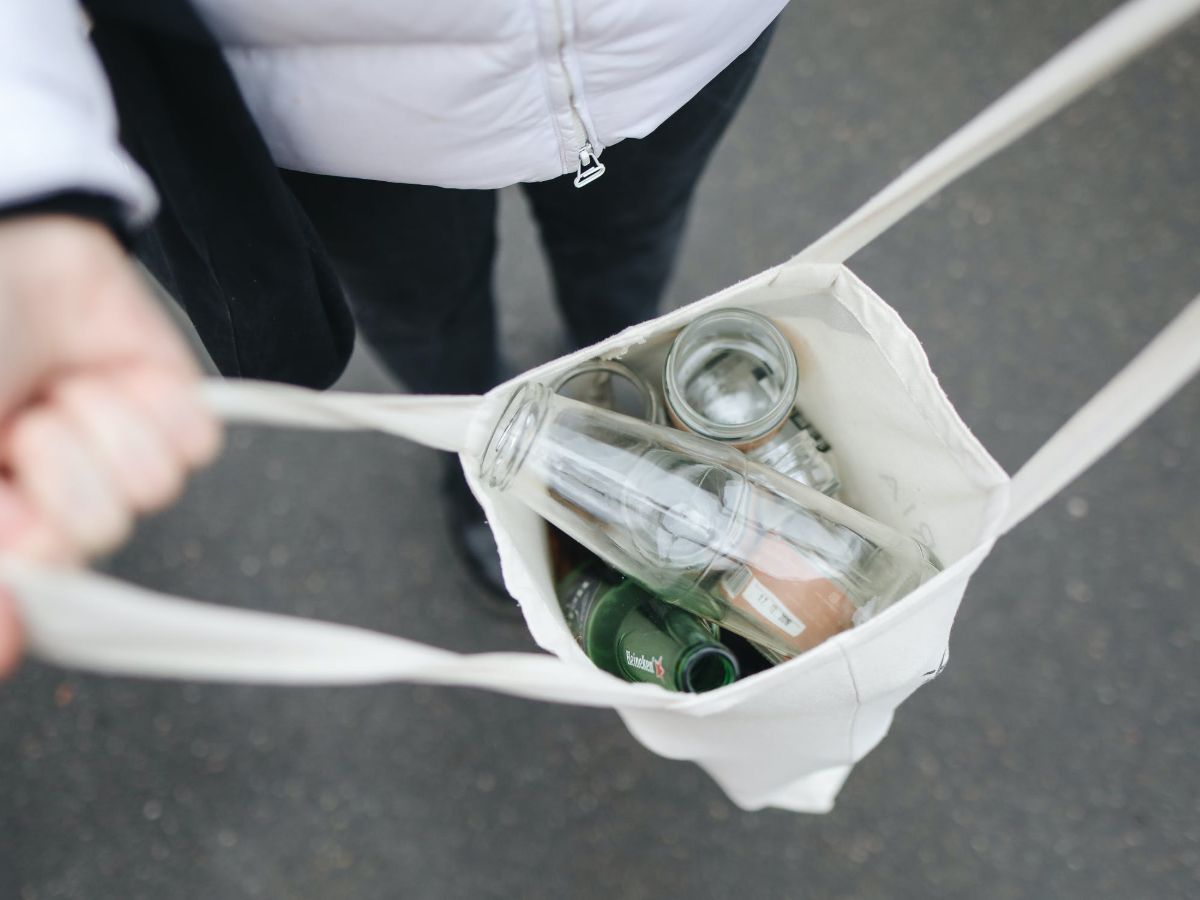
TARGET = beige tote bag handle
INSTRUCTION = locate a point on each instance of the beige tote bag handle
(1165, 365)
(87, 621)
(1170, 360)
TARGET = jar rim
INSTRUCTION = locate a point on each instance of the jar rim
(770, 340)
(612, 366)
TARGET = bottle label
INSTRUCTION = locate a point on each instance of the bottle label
(771, 608)
(644, 642)
(650, 665)
(781, 587)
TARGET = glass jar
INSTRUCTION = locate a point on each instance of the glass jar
(611, 385)
(732, 376)
(698, 524)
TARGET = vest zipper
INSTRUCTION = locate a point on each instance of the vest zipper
(589, 166)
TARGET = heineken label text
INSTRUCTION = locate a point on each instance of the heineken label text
(646, 664)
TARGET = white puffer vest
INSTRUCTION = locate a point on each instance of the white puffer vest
(445, 92)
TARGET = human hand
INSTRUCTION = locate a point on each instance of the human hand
(100, 413)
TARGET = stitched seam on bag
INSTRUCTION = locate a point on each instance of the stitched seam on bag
(857, 704)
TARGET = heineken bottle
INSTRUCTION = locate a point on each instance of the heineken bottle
(627, 631)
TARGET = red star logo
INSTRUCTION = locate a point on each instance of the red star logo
(659, 672)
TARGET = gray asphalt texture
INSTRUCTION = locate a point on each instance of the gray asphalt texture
(1055, 758)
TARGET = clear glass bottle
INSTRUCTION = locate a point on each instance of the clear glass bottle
(627, 631)
(732, 376)
(698, 524)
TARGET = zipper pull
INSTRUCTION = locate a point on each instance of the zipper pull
(590, 168)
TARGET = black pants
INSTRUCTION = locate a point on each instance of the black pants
(416, 261)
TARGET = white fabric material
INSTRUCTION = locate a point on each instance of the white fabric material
(457, 93)
(464, 94)
(91, 622)
(787, 737)
(434, 421)
(60, 127)
(865, 379)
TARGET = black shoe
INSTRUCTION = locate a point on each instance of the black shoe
(473, 541)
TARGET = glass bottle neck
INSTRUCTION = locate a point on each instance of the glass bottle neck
(513, 436)
(664, 645)
(705, 667)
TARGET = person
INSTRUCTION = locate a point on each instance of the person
(392, 125)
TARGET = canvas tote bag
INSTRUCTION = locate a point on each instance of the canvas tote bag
(789, 736)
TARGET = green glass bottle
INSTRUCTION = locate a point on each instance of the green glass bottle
(627, 631)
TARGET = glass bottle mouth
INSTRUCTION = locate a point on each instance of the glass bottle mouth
(766, 362)
(707, 668)
(513, 435)
(611, 385)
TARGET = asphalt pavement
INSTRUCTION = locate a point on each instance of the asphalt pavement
(1054, 758)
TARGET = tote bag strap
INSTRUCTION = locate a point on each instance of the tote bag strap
(1090, 58)
(436, 421)
(1170, 359)
(1163, 366)
(88, 621)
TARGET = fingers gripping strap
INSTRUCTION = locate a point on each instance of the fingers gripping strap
(1156, 373)
(87, 621)
(435, 421)
(1093, 56)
